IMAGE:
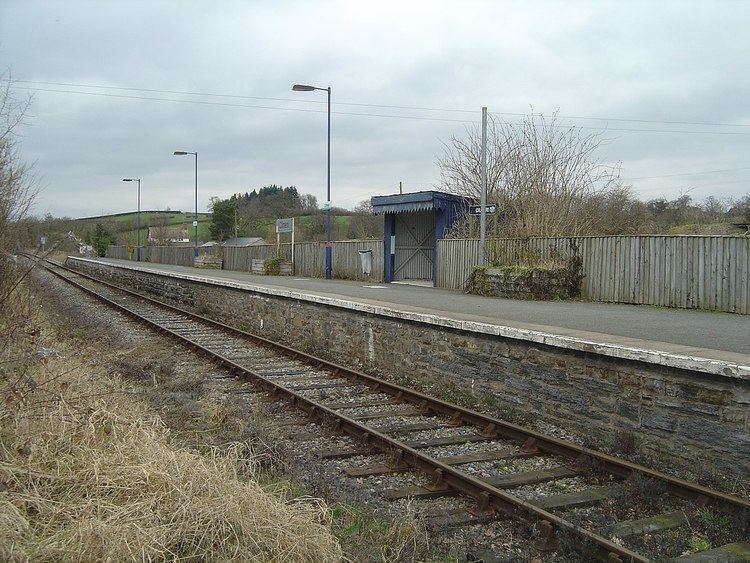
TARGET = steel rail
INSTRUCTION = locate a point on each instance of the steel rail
(488, 497)
(555, 446)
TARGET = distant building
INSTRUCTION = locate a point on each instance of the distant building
(168, 235)
(244, 241)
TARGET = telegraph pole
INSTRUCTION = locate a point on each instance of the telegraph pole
(483, 195)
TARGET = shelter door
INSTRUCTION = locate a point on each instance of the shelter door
(415, 245)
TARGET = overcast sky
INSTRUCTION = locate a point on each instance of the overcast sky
(652, 61)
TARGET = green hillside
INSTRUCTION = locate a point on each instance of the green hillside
(307, 227)
(123, 225)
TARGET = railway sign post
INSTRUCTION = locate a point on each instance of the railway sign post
(285, 226)
(477, 209)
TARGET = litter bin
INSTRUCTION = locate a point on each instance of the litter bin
(365, 260)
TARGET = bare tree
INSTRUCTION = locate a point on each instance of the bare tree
(18, 186)
(540, 174)
(364, 224)
(714, 209)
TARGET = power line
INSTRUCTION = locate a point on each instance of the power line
(357, 104)
(224, 104)
(689, 185)
(691, 173)
(414, 117)
(630, 120)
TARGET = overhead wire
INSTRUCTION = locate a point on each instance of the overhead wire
(224, 104)
(360, 114)
(689, 185)
(360, 104)
(377, 115)
(698, 173)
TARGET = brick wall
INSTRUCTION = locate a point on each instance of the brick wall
(680, 417)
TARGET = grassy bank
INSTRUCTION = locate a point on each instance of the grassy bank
(88, 472)
(115, 443)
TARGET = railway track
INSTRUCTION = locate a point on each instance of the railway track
(410, 428)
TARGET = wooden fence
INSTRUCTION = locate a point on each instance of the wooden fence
(309, 257)
(175, 255)
(240, 258)
(707, 272)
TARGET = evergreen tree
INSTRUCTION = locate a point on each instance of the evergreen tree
(222, 218)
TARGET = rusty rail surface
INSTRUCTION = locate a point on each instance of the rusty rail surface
(489, 498)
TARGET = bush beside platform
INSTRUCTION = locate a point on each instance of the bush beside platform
(272, 267)
(527, 282)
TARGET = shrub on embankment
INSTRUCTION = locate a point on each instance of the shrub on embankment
(87, 473)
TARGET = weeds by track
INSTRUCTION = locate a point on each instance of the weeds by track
(410, 429)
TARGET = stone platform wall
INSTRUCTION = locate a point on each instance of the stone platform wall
(525, 283)
(680, 417)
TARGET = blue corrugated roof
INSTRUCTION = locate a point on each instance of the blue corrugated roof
(417, 201)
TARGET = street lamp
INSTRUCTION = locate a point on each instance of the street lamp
(329, 248)
(195, 223)
(138, 219)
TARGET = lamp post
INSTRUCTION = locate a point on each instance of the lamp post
(329, 248)
(195, 223)
(138, 218)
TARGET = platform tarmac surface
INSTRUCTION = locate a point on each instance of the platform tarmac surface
(707, 334)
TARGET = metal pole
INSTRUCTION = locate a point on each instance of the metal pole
(483, 195)
(329, 249)
(195, 252)
(293, 246)
(138, 225)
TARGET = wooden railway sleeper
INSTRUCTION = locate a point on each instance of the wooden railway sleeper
(547, 521)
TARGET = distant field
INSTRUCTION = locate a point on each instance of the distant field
(173, 217)
(123, 224)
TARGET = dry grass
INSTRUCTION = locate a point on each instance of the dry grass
(87, 473)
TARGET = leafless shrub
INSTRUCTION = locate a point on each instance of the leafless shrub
(541, 175)
(18, 186)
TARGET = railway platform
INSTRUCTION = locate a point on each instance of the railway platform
(677, 337)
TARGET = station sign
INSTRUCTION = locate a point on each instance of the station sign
(284, 225)
(477, 209)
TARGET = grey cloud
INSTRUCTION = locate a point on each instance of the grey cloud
(674, 61)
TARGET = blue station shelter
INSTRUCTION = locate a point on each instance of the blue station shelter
(413, 224)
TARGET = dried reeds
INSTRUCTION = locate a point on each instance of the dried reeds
(87, 473)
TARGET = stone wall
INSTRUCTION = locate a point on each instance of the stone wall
(680, 417)
(208, 261)
(520, 282)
